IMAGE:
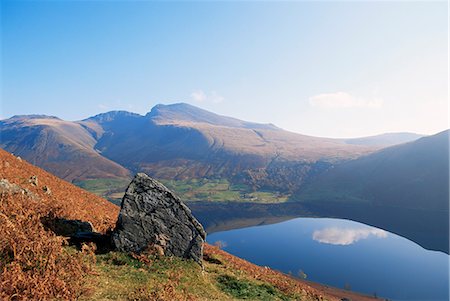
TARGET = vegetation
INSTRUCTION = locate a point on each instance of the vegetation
(111, 189)
(244, 289)
(146, 277)
(33, 263)
(220, 190)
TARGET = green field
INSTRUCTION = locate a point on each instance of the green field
(111, 189)
(220, 190)
(213, 190)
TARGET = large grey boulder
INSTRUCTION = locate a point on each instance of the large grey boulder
(153, 218)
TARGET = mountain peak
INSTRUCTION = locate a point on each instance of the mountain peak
(183, 112)
(111, 115)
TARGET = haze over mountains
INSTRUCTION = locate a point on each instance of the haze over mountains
(179, 141)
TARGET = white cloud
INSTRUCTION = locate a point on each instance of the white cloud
(201, 96)
(198, 96)
(343, 100)
(343, 236)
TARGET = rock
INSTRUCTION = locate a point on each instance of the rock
(7, 187)
(47, 190)
(33, 180)
(152, 218)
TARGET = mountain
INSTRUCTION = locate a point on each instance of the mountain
(62, 147)
(182, 142)
(403, 187)
(384, 140)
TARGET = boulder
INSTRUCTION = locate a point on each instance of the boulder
(153, 219)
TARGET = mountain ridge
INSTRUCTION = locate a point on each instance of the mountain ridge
(177, 141)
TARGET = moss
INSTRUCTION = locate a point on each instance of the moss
(245, 289)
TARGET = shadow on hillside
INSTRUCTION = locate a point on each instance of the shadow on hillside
(79, 233)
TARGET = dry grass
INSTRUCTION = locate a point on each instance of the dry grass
(33, 263)
(71, 201)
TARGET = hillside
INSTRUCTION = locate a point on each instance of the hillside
(36, 264)
(412, 175)
(62, 147)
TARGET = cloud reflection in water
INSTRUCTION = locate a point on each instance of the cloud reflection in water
(345, 236)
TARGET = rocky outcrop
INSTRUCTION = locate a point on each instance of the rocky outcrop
(152, 218)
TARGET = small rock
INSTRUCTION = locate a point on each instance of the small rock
(33, 180)
(19, 158)
(47, 190)
(7, 187)
(6, 164)
(153, 218)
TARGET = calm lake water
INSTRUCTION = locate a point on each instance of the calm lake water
(344, 254)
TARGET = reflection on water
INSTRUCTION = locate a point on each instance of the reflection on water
(430, 229)
(346, 236)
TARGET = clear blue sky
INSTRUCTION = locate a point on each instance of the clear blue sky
(336, 69)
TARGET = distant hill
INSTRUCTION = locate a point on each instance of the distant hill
(412, 175)
(62, 147)
(384, 140)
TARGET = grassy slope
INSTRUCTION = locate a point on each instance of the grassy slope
(412, 175)
(27, 274)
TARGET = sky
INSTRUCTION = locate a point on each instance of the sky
(330, 69)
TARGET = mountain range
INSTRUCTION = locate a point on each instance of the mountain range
(179, 142)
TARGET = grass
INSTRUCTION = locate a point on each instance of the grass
(111, 189)
(120, 276)
(220, 190)
(244, 289)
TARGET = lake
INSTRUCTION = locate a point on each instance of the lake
(343, 254)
